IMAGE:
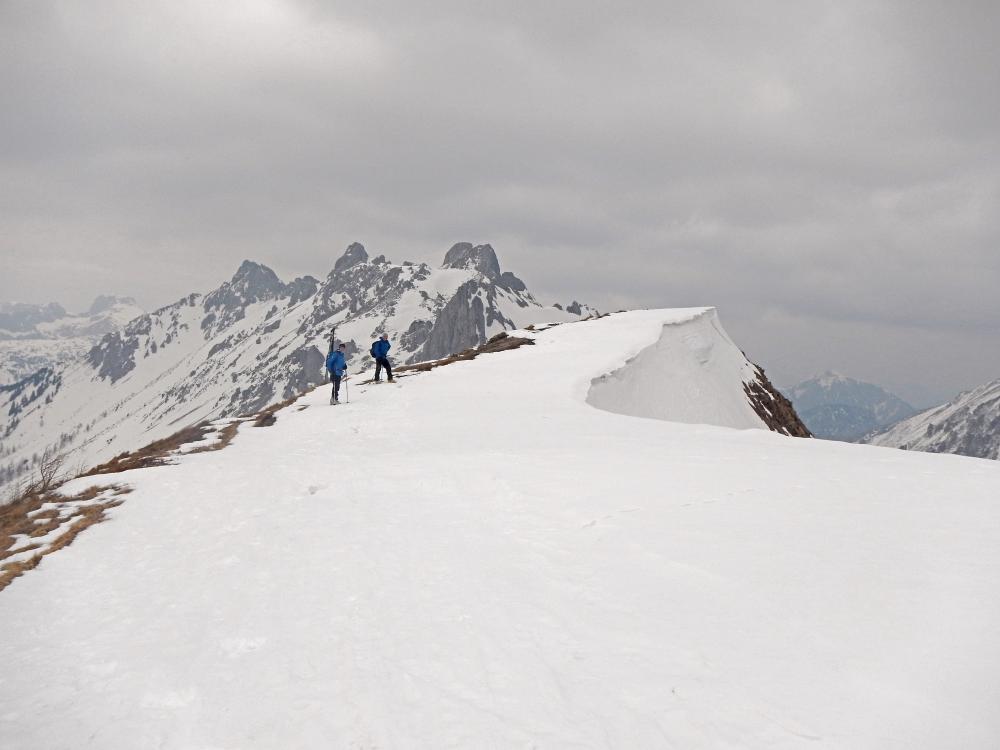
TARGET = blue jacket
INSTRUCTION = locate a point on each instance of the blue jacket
(380, 348)
(336, 363)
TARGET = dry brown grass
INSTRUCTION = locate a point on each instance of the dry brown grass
(154, 454)
(10, 571)
(87, 517)
(17, 518)
(226, 435)
(158, 452)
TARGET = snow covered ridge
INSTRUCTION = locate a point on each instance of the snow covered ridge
(255, 341)
(968, 425)
(691, 373)
(478, 557)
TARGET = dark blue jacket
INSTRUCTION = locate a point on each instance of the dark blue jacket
(380, 348)
(336, 363)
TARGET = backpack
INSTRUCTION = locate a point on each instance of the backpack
(372, 350)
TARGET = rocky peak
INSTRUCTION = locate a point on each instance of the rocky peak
(480, 258)
(254, 277)
(251, 283)
(354, 254)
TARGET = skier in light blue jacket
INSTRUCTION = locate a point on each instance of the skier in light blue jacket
(336, 363)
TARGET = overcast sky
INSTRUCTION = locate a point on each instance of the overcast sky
(826, 173)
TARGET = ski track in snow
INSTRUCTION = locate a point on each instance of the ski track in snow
(480, 558)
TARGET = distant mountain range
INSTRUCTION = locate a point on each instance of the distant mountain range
(36, 336)
(968, 425)
(836, 407)
(253, 341)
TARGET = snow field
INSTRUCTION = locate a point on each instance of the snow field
(480, 558)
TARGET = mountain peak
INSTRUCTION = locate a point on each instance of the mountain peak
(251, 272)
(251, 283)
(482, 258)
(839, 407)
(256, 281)
(354, 254)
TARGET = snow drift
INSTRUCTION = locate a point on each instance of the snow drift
(693, 373)
(478, 557)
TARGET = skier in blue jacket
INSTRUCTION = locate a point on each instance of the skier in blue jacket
(380, 351)
(336, 363)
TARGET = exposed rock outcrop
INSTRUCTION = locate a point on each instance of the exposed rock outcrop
(773, 408)
(481, 258)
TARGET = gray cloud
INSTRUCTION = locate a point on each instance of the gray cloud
(825, 173)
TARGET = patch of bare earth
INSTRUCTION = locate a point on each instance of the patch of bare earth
(268, 417)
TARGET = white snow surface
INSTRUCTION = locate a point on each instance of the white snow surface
(480, 558)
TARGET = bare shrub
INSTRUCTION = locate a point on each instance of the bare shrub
(50, 471)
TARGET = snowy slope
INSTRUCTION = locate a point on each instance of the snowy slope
(479, 557)
(968, 425)
(254, 341)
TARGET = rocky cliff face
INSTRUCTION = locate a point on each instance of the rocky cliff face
(479, 258)
(479, 307)
(772, 407)
(256, 340)
(968, 425)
